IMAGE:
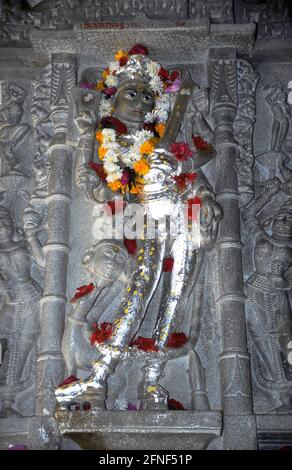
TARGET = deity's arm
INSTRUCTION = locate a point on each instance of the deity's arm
(32, 225)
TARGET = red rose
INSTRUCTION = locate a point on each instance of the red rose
(176, 340)
(138, 49)
(145, 344)
(184, 178)
(168, 264)
(200, 143)
(102, 333)
(174, 405)
(98, 167)
(131, 246)
(181, 150)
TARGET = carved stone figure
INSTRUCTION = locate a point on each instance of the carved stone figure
(277, 101)
(19, 319)
(269, 313)
(105, 263)
(139, 97)
(12, 130)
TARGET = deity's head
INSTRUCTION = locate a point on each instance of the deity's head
(282, 221)
(6, 225)
(133, 89)
(106, 260)
(282, 97)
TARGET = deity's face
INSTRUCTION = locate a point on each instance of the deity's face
(282, 225)
(133, 100)
(105, 261)
(6, 228)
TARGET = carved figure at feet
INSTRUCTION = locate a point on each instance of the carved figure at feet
(105, 263)
(138, 163)
(277, 100)
(19, 317)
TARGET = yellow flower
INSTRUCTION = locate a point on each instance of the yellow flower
(101, 152)
(99, 136)
(120, 54)
(105, 73)
(147, 147)
(100, 85)
(142, 167)
(115, 185)
(135, 190)
(160, 129)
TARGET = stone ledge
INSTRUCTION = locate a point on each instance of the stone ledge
(142, 429)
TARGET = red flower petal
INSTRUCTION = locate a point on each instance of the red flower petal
(176, 340)
(123, 60)
(200, 143)
(184, 178)
(102, 333)
(115, 206)
(174, 75)
(192, 214)
(109, 91)
(174, 405)
(131, 246)
(181, 150)
(110, 122)
(163, 74)
(98, 167)
(138, 49)
(145, 344)
(168, 264)
(68, 380)
(82, 291)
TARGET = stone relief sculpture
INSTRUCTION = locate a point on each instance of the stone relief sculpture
(269, 313)
(105, 262)
(134, 141)
(20, 322)
(277, 101)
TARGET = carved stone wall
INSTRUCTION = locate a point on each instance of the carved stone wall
(235, 380)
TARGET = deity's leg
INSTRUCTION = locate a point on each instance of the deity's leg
(151, 394)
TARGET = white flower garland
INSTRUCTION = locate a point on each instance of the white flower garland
(115, 152)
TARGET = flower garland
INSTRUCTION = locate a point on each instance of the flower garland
(125, 167)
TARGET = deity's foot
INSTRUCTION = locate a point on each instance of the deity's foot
(153, 397)
(87, 395)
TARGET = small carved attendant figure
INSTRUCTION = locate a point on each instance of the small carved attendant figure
(19, 318)
(133, 116)
(105, 262)
(277, 100)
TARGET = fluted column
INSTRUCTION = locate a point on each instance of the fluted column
(234, 361)
(50, 365)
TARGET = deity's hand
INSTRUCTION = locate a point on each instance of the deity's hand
(164, 163)
(210, 215)
(273, 186)
(85, 122)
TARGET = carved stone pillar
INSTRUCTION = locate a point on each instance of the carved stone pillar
(50, 366)
(234, 362)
